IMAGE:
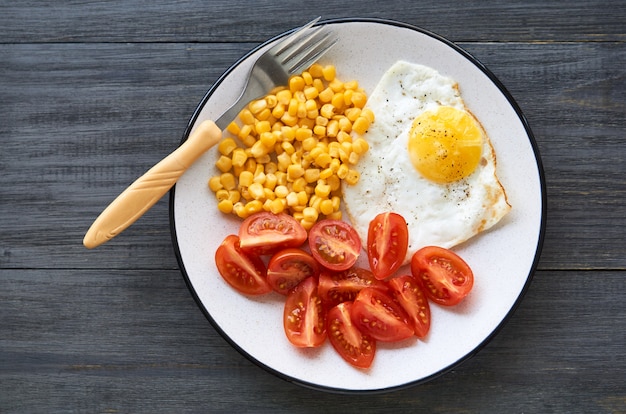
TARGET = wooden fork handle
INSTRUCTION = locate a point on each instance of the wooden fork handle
(150, 187)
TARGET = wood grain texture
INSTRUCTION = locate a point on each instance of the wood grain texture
(93, 93)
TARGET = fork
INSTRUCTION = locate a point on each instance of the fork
(300, 49)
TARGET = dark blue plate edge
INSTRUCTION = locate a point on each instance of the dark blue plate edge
(533, 268)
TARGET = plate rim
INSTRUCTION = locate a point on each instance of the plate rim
(541, 235)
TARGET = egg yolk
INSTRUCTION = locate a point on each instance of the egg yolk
(445, 144)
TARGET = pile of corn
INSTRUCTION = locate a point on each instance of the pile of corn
(289, 151)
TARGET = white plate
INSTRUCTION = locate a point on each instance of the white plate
(502, 259)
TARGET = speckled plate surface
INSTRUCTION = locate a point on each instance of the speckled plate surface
(503, 259)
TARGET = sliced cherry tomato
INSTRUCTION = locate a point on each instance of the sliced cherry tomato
(409, 294)
(375, 313)
(244, 272)
(334, 244)
(337, 287)
(304, 316)
(387, 242)
(446, 278)
(289, 267)
(354, 347)
(266, 233)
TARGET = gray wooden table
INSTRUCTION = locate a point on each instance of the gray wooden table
(94, 93)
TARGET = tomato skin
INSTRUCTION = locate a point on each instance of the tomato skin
(446, 278)
(409, 294)
(288, 267)
(266, 233)
(304, 317)
(354, 347)
(334, 244)
(375, 313)
(243, 271)
(337, 287)
(387, 243)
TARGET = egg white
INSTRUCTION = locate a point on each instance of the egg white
(436, 214)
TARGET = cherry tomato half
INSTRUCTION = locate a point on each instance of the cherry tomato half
(266, 233)
(334, 244)
(243, 271)
(356, 348)
(289, 267)
(446, 278)
(304, 316)
(409, 294)
(375, 313)
(337, 287)
(387, 242)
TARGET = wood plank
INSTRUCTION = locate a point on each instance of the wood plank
(227, 21)
(91, 120)
(124, 340)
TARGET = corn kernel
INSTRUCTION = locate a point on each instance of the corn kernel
(281, 178)
(253, 207)
(323, 160)
(311, 175)
(246, 116)
(326, 207)
(246, 178)
(368, 114)
(256, 191)
(226, 146)
(299, 184)
(258, 149)
(310, 214)
(294, 171)
(336, 85)
(271, 100)
(311, 92)
(353, 158)
(307, 224)
(343, 136)
(334, 182)
(359, 99)
(308, 79)
(352, 113)
(228, 181)
(319, 130)
(319, 85)
(292, 199)
(284, 96)
(332, 128)
(224, 163)
(352, 177)
(326, 95)
(281, 191)
(316, 70)
(278, 111)
(303, 133)
(277, 205)
(322, 190)
(303, 198)
(288, 119)
(215, 183)
(338, 101)
(233, 128)
(267, 139)
(257, 106)
(240, 210)
(361, 125)
(225, 206)
(329, 72)
(296, 83)
(234, 196)
(327, 110)
(221, 194)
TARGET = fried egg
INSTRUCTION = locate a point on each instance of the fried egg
(429, 160)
